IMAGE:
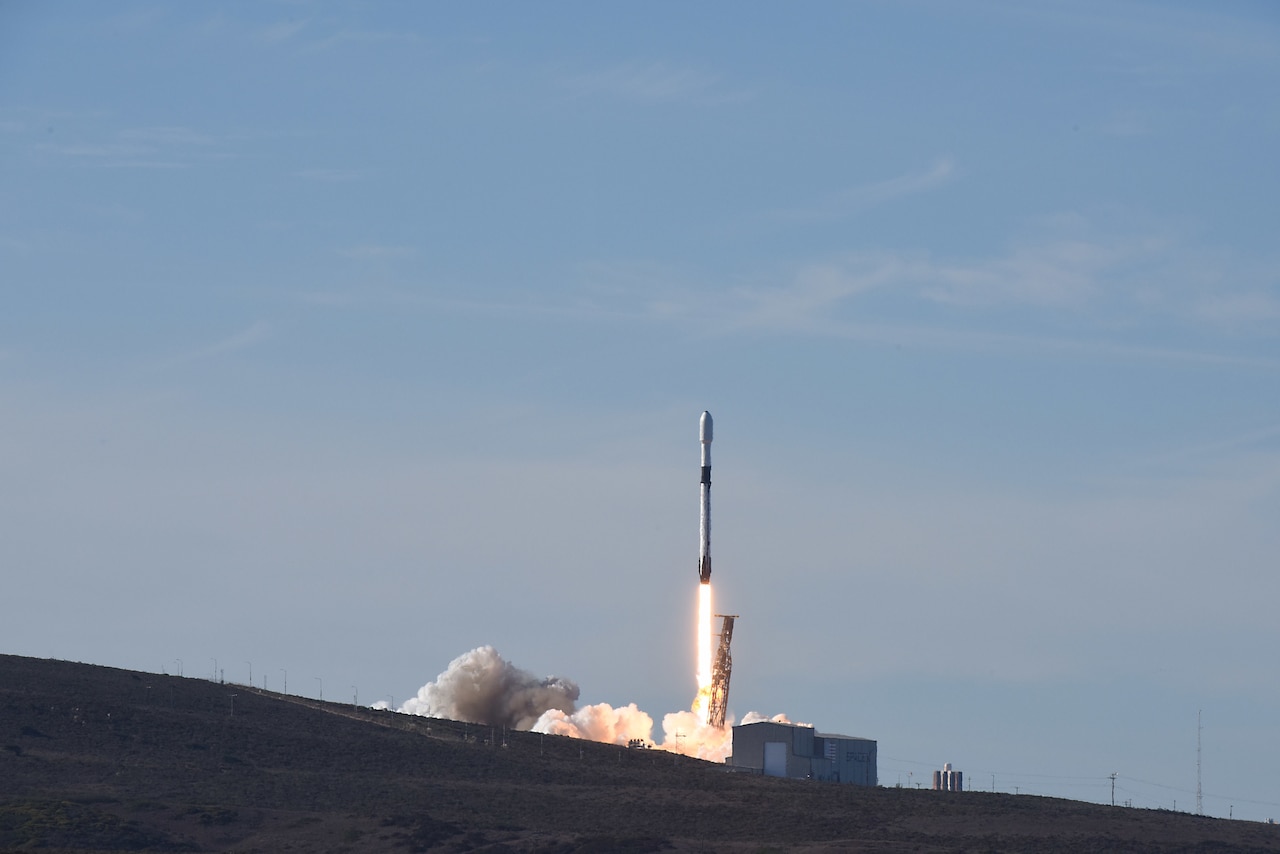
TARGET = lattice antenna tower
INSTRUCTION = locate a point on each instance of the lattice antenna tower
(1199, 729)
(721, 669)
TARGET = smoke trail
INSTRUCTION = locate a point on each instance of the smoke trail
(481, 687)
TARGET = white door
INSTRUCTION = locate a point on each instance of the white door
(775, 758)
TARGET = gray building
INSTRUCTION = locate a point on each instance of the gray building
(790, 750)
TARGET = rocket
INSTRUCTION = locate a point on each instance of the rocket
(704, 526)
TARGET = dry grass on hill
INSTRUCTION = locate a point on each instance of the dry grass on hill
(99, 759)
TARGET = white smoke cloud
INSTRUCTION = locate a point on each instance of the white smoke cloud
(600, 722)
(684, 732)
(481, 687)
(756, 717)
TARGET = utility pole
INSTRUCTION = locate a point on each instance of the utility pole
(1113, 788)
(1199, 800)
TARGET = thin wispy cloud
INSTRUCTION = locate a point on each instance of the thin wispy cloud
(521, 305)
(249, 336)
(111, 156)
(1250, 445)
(155, 147)
(243, 339)
(1061, 273)
(654, 83)
(1095, 292)
(959, 339)
(95, 150)
(328, 299)
(139, 19)
(167, 135)
(1051, 275)
(1125, 124)
(333, 176)
(1212, 34)
(865, 196)
(279, 32)
(378, 252)
(347, 38)
(145, 164)
(1239, 309)
(1091, 292)
(808, 299)
(115, 213)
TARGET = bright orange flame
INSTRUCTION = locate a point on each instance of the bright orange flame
(704, 652)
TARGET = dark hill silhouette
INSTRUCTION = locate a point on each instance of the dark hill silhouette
(99, 759)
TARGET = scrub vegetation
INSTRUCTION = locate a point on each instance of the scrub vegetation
(100, 759)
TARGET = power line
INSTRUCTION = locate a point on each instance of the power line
(1076, 781)
(1215, 795)
(1000, 772)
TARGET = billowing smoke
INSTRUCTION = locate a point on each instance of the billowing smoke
(682, 732)
(688, 733)
(600, 722)
(481, 687)
(756, 717)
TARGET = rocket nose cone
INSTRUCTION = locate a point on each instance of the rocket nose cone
(704, 427)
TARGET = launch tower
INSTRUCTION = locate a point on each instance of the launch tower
(720, 672)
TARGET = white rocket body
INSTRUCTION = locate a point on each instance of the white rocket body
(704, 526)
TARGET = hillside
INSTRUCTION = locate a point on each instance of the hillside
(100, 759)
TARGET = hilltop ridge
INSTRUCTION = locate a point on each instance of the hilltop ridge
(100, 759)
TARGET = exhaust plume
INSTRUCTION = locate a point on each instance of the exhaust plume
(481, 687)
(600, 722)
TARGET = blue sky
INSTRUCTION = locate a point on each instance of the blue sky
(341, 338)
